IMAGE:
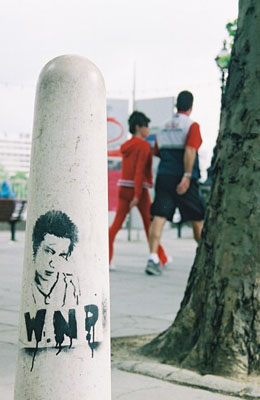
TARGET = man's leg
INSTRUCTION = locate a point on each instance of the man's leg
(155, 233)
(144, 209)
(121, 212)
(197, 229)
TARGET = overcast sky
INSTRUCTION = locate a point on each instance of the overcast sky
(172, 42)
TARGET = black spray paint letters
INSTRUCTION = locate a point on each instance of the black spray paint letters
(90, 322)
(62, 327)
(35, 325)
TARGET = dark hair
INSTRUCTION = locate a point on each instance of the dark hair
(137, 118)
(184, 101)
(55, 223)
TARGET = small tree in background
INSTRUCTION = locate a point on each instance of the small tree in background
(3, 173)
(20, 175)
(19, 182)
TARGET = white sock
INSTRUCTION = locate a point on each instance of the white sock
(154, 257)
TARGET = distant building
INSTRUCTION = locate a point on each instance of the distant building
(15, 153)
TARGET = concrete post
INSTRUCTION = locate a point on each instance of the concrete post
(64, 339)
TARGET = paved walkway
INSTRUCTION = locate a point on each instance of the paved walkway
(140, 304)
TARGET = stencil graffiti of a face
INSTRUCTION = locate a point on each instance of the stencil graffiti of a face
(54, 238)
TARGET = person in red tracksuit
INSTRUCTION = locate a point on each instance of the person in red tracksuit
(135, 181)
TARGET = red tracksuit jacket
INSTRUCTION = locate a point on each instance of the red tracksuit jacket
(136, 165)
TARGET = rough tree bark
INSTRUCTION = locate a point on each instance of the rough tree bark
(217, 329)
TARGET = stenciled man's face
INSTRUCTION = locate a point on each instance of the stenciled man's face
(52, 257)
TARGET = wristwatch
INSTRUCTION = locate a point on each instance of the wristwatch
(187, 175)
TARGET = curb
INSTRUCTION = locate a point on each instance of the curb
(189, 378)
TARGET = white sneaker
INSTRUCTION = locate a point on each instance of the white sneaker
(153, 268)
(112, 267)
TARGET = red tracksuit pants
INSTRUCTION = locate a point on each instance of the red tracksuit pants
(125, 196)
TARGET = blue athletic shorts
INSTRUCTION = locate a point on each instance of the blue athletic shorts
(166, 200)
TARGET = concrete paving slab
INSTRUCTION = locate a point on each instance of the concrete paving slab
(127, 325)
(8, 355)
(9, 318)
(129, 387)
(189, 378)
(9, 336)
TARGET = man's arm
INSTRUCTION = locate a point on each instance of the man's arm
(192, 145)
(156, 151)
(189, 158)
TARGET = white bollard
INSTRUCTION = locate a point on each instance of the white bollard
(64, 338)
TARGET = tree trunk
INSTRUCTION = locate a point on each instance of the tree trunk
(217, 329)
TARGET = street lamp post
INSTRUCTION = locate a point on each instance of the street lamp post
(222, 60)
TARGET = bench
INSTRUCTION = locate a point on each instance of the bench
(12, 211)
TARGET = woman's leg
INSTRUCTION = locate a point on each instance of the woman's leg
(121, 212)
(144, 208)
